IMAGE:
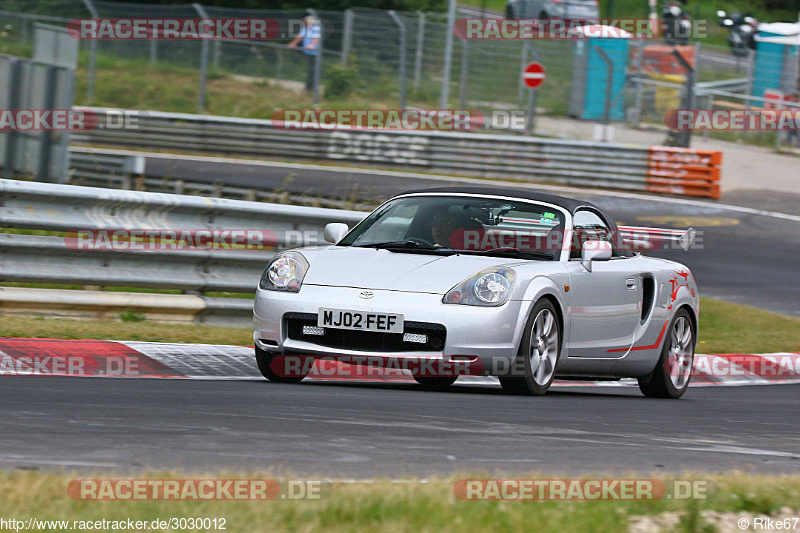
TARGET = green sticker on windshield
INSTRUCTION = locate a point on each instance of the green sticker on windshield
(548, 215)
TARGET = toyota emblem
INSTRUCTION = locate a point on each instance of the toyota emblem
(366, 295)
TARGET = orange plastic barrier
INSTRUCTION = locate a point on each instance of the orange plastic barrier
(683, 171)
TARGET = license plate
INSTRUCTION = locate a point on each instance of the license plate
(360, 320)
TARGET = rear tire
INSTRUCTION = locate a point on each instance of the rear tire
(264, 360)
(538, 352)
(672, 374)
(436, 382)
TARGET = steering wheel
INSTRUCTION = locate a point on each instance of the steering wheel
(417, 240)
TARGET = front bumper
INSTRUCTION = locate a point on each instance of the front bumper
(489, 333)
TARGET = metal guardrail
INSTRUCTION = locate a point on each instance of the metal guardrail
(65, 208)
(69, 209)
(732, 85)
(620, 166)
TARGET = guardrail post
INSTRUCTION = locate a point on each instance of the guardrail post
(347, 38)
(201, 95)
(419, 50)
(132, 170)
(92, 55)
(402, 59)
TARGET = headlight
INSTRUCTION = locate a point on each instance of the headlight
(285, 273)
(491, 287)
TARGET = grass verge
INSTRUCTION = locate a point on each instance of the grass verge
(382, 505)
(721, 330)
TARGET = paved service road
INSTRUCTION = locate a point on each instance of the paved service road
(360, 431)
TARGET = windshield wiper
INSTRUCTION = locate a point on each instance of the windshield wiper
(510, 252)
(414, 245)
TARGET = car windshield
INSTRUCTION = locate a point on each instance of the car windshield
(458, 224)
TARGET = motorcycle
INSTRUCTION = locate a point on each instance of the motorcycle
(676, 22)
(742, 30)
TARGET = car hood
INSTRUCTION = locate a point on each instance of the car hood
(368, 268)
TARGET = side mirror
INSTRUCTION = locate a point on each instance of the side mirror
(595, 251)
(334, 232)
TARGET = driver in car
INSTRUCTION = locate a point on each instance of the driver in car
(447, 229)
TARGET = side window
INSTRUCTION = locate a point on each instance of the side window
(588, 226)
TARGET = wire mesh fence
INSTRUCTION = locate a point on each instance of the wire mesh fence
(394, 59)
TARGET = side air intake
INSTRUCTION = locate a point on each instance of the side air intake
(648, 291)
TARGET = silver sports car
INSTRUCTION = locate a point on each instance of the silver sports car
(521, 285)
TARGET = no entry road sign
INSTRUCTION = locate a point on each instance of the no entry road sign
(534, 75)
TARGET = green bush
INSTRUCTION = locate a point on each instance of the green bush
(341, 80)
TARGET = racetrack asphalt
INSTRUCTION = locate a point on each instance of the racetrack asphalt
(746, 257)
(391, 430)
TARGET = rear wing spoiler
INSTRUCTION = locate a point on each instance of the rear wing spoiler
(641, 238)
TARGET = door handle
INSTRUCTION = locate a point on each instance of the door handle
(631, 284)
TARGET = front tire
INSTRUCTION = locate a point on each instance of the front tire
(538, 352)
(673, 372)
(264, 360)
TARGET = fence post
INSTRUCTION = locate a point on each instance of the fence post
(347, 38)
(420, 47)
(318, 59)
(523, 62)
(609, 82)
(46, 139)
(24, 28)
(216, 53)
(153, 51)
(462, 91)
(448, 54)
(685, 136)
(92, 55)
(201, 95)
(402, 28)
(279, 67)
(530, 116)
(14, 82)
